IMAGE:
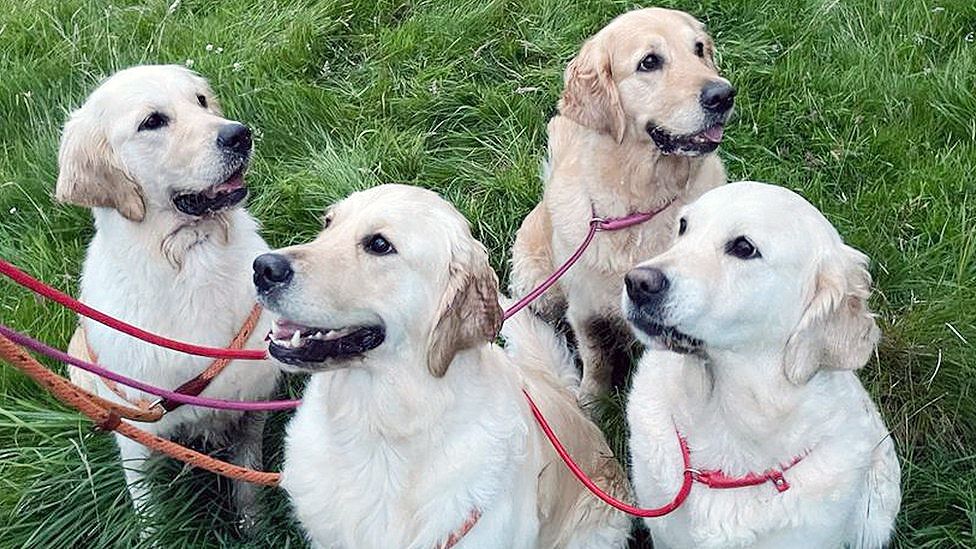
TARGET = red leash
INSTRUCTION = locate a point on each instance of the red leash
(715, 479)
(598, 492)
(38, 287)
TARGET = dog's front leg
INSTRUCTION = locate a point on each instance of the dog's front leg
(134, 460)
(247, 452)
(603, 348)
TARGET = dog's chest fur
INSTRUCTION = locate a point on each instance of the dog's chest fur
(204, 301)
(363, 471)
(836, 424)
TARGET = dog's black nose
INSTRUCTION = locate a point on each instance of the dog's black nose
(645, 285)
(717, 96)
(271, 270)
(235, 138)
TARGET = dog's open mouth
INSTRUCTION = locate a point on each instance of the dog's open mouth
(668, 336)
(213, 199)
(694, 144)
(299, 345)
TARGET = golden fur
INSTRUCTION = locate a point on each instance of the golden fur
(602, 160)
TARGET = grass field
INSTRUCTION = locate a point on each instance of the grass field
(866, 107)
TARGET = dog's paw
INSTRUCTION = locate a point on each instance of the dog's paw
(246, 523)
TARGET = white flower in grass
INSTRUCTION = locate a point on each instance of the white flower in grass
(970, 37)
(209, 47)
(13, 211)
(237, 66)
(189, 63)
(220, 50)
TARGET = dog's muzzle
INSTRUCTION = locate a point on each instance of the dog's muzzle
(646, 289)
(234, 143)
(716, 100)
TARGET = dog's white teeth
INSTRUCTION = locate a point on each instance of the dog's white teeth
(318, 335)
(336, 334)
(296, 338)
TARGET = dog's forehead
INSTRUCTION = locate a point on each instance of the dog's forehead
(149, 84)
(402, 207)
(764, 209)
(638, 28)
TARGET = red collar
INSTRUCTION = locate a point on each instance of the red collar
(718, 480)
(466, 527)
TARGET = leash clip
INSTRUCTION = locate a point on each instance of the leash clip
(778, 480)
(598, 223)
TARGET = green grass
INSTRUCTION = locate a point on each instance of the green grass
(866, 107)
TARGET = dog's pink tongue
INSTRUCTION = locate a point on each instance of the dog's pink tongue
(715, 133)
(231, 184)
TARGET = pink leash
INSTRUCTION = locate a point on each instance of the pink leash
(596, 224)
(51, 352)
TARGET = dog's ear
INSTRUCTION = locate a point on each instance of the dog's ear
(469, 313)
(89, 173)
(590, 96)
(836, 331)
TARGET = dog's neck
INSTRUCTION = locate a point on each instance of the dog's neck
(171, 236)
(747, 391)
(396, 400)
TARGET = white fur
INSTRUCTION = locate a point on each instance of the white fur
(187, 279)
(382, 453)
(738, 403)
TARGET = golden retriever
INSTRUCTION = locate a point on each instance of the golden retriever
(640, 117)
(163, 171)
(413, 430)
(756, 319)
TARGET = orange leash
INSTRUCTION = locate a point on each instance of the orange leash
(108, 416)
(196, 385)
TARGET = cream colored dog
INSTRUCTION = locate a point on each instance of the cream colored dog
(163, 171)
(414, 431)
(639, 120)
(756, 319)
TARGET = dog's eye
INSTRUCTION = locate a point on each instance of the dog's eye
(742, 248)
(682, 226)
(651, 62)
(202, 100)
(378, 245)
(153, 122)
(700, 49)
